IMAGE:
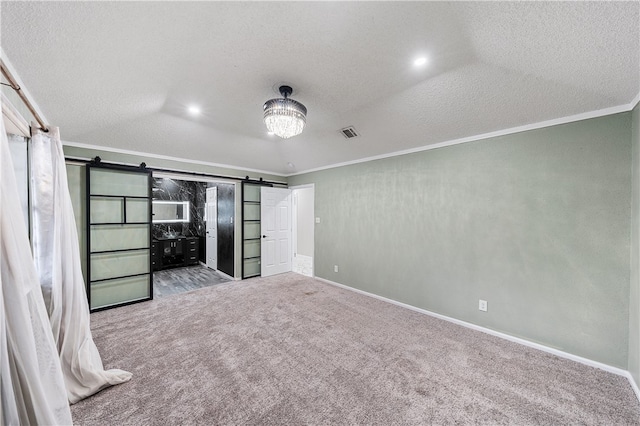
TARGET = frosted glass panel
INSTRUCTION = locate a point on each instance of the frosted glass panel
(107, 210)
(251, 267)
(109, 237)
(251, 248)
(252, 192)
(119, 230)
(105, 293)
(111, 265)
(116, 182)
(252, 212)
(251, 230)
(137, 210)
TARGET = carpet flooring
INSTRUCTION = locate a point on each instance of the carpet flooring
(289, 349)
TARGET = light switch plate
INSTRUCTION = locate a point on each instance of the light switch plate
(317, 220)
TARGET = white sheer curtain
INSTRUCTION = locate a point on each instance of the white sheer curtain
(57, 256)
(32, 387)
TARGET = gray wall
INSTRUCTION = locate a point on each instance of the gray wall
(536, 223)
(634, 291)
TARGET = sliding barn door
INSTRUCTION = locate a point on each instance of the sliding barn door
(275, 221)
(118, 236)
(251, 259)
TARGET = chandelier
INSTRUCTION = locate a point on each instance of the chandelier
(283, 116)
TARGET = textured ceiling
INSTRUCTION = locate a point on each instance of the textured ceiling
(119, 74)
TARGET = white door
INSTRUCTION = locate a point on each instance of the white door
(212, 228)
(275, 223)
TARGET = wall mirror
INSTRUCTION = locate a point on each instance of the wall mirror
(170, 211)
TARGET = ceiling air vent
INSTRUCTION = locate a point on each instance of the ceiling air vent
(349, 132)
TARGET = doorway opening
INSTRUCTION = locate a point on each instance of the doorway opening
(197, 247)
(303, 229)
(278, 229)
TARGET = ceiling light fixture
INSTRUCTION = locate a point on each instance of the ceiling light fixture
(194, 110)
(283, 116)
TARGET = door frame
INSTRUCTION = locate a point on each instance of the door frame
(212, 190)
(294, 224)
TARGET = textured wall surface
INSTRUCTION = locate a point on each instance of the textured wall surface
(634, 291)
(536, 223)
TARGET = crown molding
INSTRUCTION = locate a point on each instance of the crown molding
(634, 102)
(539, 125)
(165, 157)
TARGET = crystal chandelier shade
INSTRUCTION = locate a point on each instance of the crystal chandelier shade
(285, 117)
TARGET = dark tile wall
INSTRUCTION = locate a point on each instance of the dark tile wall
(181, 190)
(196, 193)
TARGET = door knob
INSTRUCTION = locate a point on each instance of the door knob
(264, 236)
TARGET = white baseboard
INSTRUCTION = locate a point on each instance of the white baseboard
(229, 277)
(302, 265)
(633, 384)
(562, 354)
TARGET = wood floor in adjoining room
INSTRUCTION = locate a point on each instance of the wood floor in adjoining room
(180, 280)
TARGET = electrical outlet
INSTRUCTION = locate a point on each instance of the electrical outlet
(483, 305)
(335, 268)
(317, 220)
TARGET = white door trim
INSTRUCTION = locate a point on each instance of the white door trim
(211, 241)
(294, 221)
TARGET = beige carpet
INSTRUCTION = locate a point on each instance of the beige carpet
(292, 350)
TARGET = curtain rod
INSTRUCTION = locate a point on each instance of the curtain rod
(14, 85)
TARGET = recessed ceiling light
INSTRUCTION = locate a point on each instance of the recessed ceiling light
(194, 110)
(420, 61)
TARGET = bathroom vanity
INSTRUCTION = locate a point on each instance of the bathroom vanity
(169, 252)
